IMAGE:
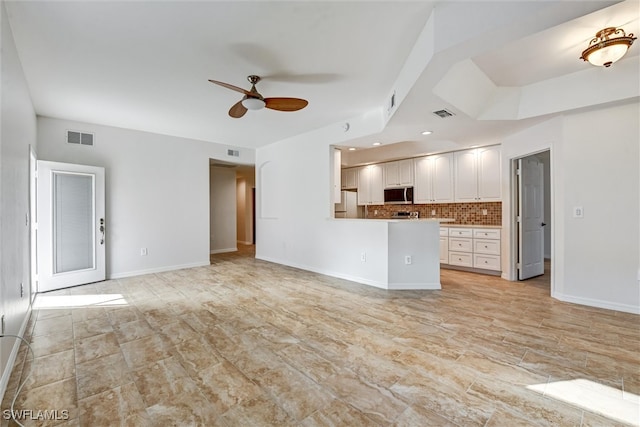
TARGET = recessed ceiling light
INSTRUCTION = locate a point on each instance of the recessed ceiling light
(427, 132)
(352, 149)
(377, 143)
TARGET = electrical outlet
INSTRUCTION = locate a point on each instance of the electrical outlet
(21, 290)
(407, 259)
(484, 211)
(363, 257)
(143, 252)
(433, 212)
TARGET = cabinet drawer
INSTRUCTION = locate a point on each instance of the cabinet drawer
(484, 246)
(444, 231)
(460, 244)
(460, 232)
(488, 262)
(461, 258)
(486, 233)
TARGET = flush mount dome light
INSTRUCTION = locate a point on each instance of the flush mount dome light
(253, 103)
(609, 45)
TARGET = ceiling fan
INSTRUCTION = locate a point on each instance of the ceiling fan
(252, 100)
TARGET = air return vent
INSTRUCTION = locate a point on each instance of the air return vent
(80, 138)
(443, 114)
(233, 153)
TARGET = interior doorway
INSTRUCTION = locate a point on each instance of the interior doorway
(232, 211)
(532, 217)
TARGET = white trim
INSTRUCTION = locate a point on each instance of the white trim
(222, 251)
(157, 270)
(597, 303)
(414, 286)
(6, 375)
(348, 277)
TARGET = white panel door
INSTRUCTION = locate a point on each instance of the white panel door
(489, 173)
(442, 173)
(531, 212)
(466, 176)
(422, 187)
(70, 224)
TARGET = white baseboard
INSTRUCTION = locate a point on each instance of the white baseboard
(6, 375)
(157, 270)
(627, 308)
(245, 243)
(222, 251)
(414, 286)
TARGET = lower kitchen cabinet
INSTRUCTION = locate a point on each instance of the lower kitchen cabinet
(444, 245)
(473, 248)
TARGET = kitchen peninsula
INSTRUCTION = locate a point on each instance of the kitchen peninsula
(412, 246)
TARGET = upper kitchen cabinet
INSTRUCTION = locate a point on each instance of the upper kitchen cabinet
(398, 173)
(433, 179)
(370, 185)
(477, 175)
(349, 178)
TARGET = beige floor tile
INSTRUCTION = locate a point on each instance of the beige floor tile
(244, 342)
(96, 346)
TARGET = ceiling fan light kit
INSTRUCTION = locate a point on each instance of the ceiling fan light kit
(608, 46)
(253, 100)
(253, 103)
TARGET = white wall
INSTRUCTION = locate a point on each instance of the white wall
(297, 228)
(223, 229)
(598, 162)
(157, 192)
(594, 259)
(18, 124)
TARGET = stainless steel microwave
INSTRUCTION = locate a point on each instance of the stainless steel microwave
(398, 196)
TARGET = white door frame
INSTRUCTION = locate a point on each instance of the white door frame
(48, 278)
(33, 223)
(511, 209)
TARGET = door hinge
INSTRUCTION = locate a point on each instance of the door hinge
(518, 172)
(518, 266)
(518, 219)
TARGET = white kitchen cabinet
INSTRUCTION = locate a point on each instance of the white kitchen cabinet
(370, 185)
(337, 175)
(444, 245)
(433, 179)
(398, 173)
(475, 248)
(477, 175)
(349, 178)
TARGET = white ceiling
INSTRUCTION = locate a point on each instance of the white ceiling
(145, 65)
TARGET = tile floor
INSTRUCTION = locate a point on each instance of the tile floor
(249, 343)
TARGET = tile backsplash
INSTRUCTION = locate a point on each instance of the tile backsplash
(463, 213)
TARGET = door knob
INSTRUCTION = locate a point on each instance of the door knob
(543, 224)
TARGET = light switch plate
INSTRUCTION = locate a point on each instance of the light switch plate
(578, 212)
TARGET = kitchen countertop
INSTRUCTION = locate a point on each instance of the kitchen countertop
(472, 226)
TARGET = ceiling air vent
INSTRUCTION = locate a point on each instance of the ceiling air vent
(80, 138)
(443, 114)
(233, 153)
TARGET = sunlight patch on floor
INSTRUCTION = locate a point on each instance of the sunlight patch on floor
(43, 302)
(594, 397)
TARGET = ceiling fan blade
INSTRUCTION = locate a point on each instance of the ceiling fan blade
(286, 104)
(232, 87)
(237, 110)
